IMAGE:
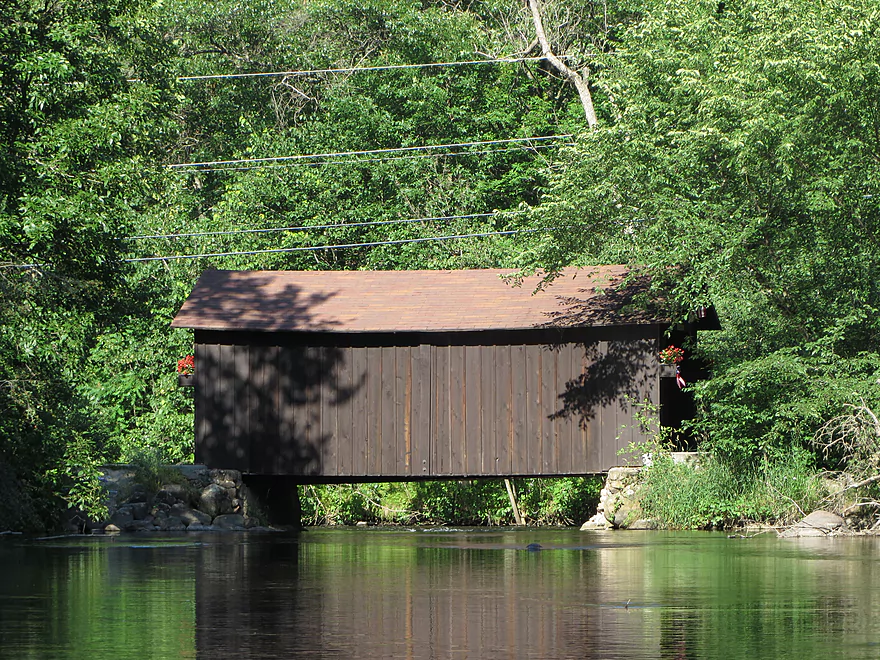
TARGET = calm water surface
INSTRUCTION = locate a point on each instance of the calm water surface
(439, 593)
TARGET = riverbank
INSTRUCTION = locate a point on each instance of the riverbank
(189, 498)
(675, 492)
(692, 491)
(152, 497)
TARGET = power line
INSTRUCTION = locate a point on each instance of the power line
(355, 161)
(22, 266)
(366, 152)
(337, 247)
(354, 69)
(338, 225)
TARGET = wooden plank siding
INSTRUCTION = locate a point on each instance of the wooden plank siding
(443, 408)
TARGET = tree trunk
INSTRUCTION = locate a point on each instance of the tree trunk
(577, 79)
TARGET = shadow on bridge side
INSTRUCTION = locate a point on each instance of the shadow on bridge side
(620, 372)
(616, 373)
(260, 395)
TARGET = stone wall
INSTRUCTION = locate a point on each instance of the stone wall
(195, 498)
(619, 500)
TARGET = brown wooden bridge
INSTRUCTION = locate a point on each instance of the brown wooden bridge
(369, 376)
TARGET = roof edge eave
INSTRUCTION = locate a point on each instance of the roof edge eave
(398, 331)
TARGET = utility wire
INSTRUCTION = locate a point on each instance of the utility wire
(22, 266)
(336, 247)
(355, 69)
(356, 161)
(366, 152)
(339, 225)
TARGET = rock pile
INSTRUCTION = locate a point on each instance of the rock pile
(201, 500)
(619, 502)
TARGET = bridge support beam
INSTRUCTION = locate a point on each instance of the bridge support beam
(277, 496)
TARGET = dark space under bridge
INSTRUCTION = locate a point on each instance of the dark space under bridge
(375, 376)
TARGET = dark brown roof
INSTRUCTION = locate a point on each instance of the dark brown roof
(405, 301)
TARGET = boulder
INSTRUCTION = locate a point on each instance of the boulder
(164, 496)
(173, 524)
(159, 509)
(225, 478)
(823, 520)
(818, 523)
(122, 517)
(596, 522)
(197, 527)
(112, 529)
(138, 494)
(626, 512)
(179, 492)
(215, 501)
(620, 477)
(189, 516)
(140, 510)
(140, 526)
(643, 523)
(233, 521)
(250, 523)
(159, 517)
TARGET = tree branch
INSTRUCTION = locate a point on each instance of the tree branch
(860, 504)
(577, 79)
(863, 482)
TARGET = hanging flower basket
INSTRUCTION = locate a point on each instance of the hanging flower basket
(671, 355)
(185, 369)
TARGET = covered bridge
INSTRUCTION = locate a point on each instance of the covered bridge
(353, 376)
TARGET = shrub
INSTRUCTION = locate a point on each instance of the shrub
(711, 494)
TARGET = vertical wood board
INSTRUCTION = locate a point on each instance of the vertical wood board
(360, 423)
(488, 412)
(457, 407)
(421, 411)
(345, 392)
(501, 411)
(549, 404)
(390, 460)
(472, 410)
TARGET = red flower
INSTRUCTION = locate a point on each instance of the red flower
(186, 365)
(671, 355)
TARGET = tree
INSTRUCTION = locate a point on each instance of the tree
(76, 131)
(739, 167)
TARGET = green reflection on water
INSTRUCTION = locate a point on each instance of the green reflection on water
(807, 598)
(393, 593)
(97, 599)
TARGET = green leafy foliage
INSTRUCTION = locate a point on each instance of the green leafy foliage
(716, 494)
(562, 501)
(736, 163)
(76, 134)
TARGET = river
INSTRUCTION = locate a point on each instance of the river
(440, 593)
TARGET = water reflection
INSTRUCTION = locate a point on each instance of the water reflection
(84, 600)
(441, 594)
